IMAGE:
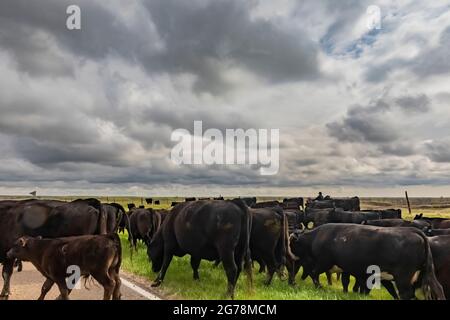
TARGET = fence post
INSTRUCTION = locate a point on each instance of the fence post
(407, 201)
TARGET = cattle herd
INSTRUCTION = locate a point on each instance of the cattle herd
(322, 236)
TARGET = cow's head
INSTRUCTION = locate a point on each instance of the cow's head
(155, 251)
(21, 249)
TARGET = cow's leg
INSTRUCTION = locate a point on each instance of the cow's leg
(315, 278)
(107, 283)
(8, 268)
(262, 266)
(114, 274)
(329, 278)
(48, 284)
(293, 268)
(356, 287)
(64, 292)
(19, 265)
(231, 269)
(405, 289)
(345, 281)
(195, 263)
(116, 292)
(165, 265)
(216, 263)
(389, 285)
(271, 268)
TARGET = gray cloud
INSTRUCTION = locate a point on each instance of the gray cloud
(96, 107)
(365, 125)
(198, 33)
(419, 103)
(439, 150)
(196, 37)
(429, 62)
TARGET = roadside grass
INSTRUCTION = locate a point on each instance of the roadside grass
(179, 284)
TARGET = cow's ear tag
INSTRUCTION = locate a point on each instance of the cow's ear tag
(23, 242)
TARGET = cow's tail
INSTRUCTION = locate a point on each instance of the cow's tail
(287, 240)
(116, 239)
(130, 235)
(430, 285)
(246, 231)
(101, 222)
(283, 239)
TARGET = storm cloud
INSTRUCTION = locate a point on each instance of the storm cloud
(94, 109)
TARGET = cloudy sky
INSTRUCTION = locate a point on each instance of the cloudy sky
(91, 111)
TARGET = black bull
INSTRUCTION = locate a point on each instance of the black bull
(46, 218)
(211, 230)
(402, 253)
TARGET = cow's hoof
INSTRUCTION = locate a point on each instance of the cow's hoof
(156, 283)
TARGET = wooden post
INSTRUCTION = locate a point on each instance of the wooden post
(407, 201)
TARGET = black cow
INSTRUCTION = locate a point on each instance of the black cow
(269, 239)
(149, 200)
(266, 204)
(403, 254)
(142, 225)
(422, 225)
(317, 216)
(388, 213)
(219, 198)
(157, 202)
(295, 218)
(8, 234)
(436, 223)
(357, 217)
(293, 203)
(190, 199)
(436, 232)
(440, 246)
(211, 230)
(350, 204)
(114, 216)
(131, 206)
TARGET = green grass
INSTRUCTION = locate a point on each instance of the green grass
(179, 284)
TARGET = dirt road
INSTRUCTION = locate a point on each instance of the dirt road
(26, 285)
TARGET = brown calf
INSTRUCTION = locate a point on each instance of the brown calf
(98, 256)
